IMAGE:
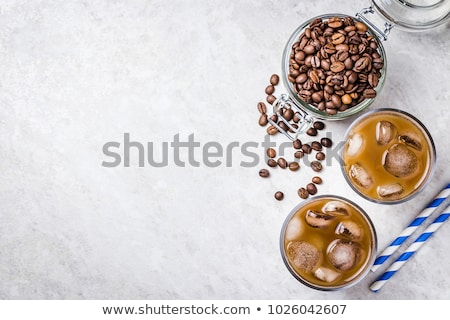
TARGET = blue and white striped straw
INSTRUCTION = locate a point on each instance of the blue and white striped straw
(402, 237)
(413, 248)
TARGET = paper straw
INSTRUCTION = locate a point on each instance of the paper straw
(413, 248)
(402, 237)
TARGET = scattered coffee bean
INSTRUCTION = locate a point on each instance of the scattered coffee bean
(326, 142)
(303, 193)
(279, 195)
(263, 120)
(311, 131)
(272, 163)
(271, 98)
(320, 156)
(271, 153)
(264, 173)
(271, 130)
(299, 154)
(315, 145)
(317, 180)
(282, 163)
(294, 166)
(270, 89)
(283, 125)
(297, 144)
(319, 125)
(306, 148)
(312, 189)
(274, 118)
(316, 166)
(274, 79)
(262, 107)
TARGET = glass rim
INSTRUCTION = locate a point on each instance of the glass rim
(409, 16)
(362, 273)
(432, 153)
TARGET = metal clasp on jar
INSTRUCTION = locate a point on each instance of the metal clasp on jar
(381, 34)
(290, 130)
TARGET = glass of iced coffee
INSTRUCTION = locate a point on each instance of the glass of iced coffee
(388, 157)
(328, 243)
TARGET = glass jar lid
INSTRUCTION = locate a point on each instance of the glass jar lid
(414, 15)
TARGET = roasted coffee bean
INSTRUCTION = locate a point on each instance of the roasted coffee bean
(301, 78)
(326, 142)
(262, 107)
(317, 180)
(337, 38)
(312, 189)
(293, 125)
(315, 145)
(294, 166)
(336, 100)
(311, 132)
(299, 56)
(264, 173)
(306, 148)
(282, 163)
(274, 118)
(279, 195)
(271, 130)
(309, 49)
(272, 163)
(331, 111)
(325, 64)
(348, 21)
(296, 118)
(346, 99)
(288, 114)
(369, 93)
(361, 26)
(335, 22)
(373, 80)
(315, 62)
(314, 76)
(337, 66)
(361, 64)
(315, 22)
(319, 125)
(270, 89)
(320, 156)
(321, 106)
(303, 193)
(317, 97)
(274, 79)
(263, 120)
(316, 166)
(270, 98)
(283, 125)
(378, 63)
(297, 144)
(348, 63)
(342, 49)
(298, 154)
(271, 153)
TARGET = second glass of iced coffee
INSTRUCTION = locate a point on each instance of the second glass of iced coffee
(388, 157)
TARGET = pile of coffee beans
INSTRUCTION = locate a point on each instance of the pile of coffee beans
(314, 148)
(335, 64)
